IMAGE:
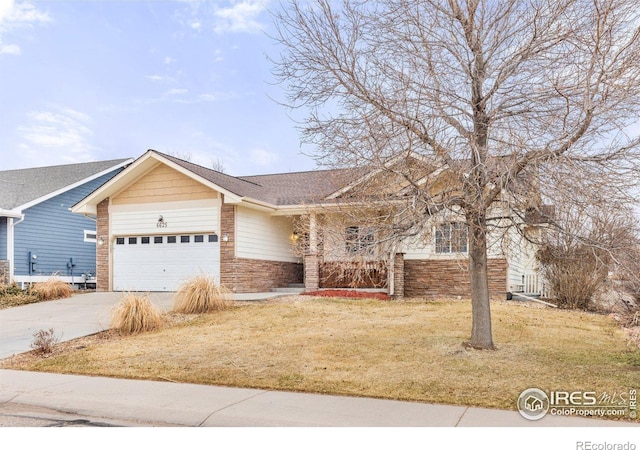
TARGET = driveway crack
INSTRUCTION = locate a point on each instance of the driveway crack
(230, 405)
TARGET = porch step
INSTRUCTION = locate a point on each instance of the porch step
(518, 297)
(289, 290)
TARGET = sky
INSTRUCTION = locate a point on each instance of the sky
(89, 80)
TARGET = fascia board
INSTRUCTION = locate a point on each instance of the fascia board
(71, 186)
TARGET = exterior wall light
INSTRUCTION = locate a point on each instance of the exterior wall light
(225, 237)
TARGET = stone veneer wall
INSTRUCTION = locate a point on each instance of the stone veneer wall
(102, 251)
(4, 272)
(398, 276)
(250, 275)
(256, 275)
(445, 278)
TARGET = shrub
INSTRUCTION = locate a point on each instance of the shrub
(574, 273)
(52, 289)
(135, 314)
(201, 294)
(44, 341)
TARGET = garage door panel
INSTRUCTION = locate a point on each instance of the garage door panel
(162, 266)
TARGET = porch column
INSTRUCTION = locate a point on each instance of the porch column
(398, 276)
(103, 247)
(311, 268)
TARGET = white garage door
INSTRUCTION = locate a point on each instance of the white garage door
(162, 263)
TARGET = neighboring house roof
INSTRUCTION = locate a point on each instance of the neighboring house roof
(23, 188)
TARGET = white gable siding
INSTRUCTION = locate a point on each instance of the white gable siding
(261, 236)
(180, 217)
(521, 261)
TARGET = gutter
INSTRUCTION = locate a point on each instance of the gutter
(11, 241)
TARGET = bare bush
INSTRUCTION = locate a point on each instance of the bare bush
(585, 249)
(201, 294)
(573, 274)
(44, 341)
(136, 314)
(52, 289)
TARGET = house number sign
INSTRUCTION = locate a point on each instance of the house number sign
(161, 223)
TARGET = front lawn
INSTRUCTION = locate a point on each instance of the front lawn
(399, 350)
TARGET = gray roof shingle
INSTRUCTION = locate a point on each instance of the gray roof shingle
(21, 186)
(295, 188)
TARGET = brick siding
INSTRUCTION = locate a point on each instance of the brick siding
(102, 251)
(255, 275)
(444, 278)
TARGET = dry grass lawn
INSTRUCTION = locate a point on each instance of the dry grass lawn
(399, 350)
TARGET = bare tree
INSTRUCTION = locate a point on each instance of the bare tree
(505, 96)
(185, 156)
(217, 164)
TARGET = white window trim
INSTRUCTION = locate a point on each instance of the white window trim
(435, 244)
(93, 233)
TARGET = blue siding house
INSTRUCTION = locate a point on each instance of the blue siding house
(39, 236)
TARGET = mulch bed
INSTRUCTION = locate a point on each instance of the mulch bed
(348, 294)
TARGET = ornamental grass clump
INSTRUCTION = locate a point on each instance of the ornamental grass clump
(201, 294)
(52, 289)
(135, 314)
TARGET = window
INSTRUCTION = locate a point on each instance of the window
(185, 239)
(213, 238)
(133, 241)
(119, 241)
(144, 240)
(157, 240)
(198, 238)
(359, 240)
(171, 239)
(90, 236)
(452, 238)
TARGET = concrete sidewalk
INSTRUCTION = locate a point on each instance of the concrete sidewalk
(174, 404)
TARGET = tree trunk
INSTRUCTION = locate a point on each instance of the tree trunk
(481, 336)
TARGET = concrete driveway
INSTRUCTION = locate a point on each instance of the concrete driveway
(71, 318)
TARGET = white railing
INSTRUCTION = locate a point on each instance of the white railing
(532, 284)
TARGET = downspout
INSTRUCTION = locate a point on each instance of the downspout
(11, 244)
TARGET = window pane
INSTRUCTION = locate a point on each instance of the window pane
(119, 241)
(443, 244)
(133, 240)
(171, 239)
(452, 238)
(185, 239)
(144, 240)
(213, 238)
(198, 238)
(157, 240)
